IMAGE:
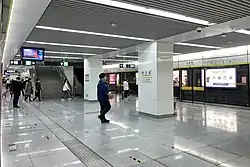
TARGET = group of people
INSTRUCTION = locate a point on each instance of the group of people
(103, 95)
(17, 87)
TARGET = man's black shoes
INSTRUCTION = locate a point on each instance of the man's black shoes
(103, 120)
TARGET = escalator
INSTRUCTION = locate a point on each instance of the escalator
(51, 82)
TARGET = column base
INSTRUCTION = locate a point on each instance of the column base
(157, 116)
(90, 100)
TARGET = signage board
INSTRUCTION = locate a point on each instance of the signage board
(224, 77)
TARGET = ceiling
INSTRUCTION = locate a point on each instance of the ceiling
(83, 15)
(215, 11)
(229, 40)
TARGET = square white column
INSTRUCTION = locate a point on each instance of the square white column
(92, 69)
(155, 68)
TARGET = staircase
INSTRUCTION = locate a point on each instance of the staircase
(51, 82)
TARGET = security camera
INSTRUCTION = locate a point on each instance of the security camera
(198, 29)
(113, 25)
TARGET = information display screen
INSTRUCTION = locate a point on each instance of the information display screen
(35, 54)
(224, 77)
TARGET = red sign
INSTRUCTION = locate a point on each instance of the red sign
(112, 79)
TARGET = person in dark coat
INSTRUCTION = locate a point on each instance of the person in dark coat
(103, 98)
(38, 88)
(28, 90)
(16, 88)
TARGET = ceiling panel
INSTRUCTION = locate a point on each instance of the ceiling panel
(231, 40)
(216, 11)
(80, 39)
(82, 15)
(66, 49)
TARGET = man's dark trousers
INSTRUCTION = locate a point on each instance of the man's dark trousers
(16, 99)
(105, 107)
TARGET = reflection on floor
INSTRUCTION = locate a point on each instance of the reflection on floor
(67, 133)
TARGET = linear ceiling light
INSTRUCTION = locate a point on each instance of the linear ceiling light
(243, 32)
(62, 57)
(92, 33)
(116, 60)
(133, 57)
(197, 45)
(151, 11)
(71, 45)
(58, 57)
(71, 53)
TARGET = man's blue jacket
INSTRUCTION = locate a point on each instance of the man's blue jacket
(102, 91)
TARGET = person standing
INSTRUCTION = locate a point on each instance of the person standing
(125, 88)
(38, 90)
(24, 85)
(28, 90)
(16, 88)
(103, 98)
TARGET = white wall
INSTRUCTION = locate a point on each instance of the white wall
(92, 68)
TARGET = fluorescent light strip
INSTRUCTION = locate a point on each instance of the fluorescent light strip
(151, 11)
(116, 60)
(92, 33)
(59, 57)
(243, 32)
(71, 53)
(197, 45)
(71, 45)
(133, 57)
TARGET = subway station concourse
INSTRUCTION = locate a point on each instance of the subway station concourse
(173, 77)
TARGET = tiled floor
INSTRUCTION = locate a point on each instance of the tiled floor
(67, 133)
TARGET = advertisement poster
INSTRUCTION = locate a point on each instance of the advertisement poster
(176, 78)
(225, 78)
(112, 79)
(184, 78)
(244, 80)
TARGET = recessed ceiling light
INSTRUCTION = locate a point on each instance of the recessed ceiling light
(92, 33)
(243, 32)
(71, 45)
(224, 35)
(198, 45)
(71, 53)
(151, 11)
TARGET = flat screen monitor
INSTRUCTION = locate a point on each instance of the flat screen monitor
(35, 54)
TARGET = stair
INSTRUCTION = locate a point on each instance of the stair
(50, 81)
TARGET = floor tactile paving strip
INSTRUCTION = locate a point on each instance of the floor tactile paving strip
(86, 155)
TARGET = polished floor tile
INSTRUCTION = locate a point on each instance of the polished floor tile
(198, 136)
(184, 160)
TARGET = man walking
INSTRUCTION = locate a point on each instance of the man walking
(103, 98)
(16, 88)
(38, 88)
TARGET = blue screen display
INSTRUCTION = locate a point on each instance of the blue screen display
(35, 54)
